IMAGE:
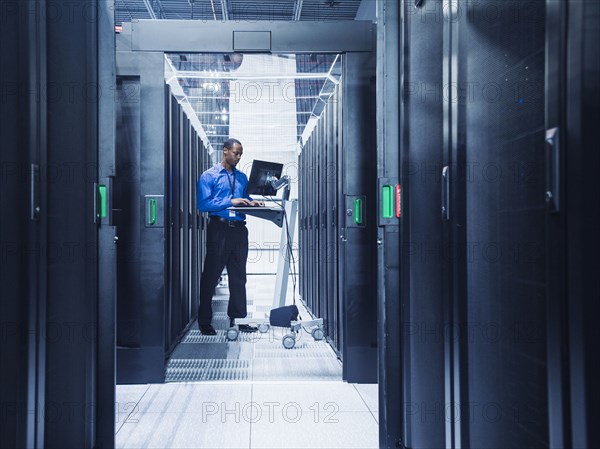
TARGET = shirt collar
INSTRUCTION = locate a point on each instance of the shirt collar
(223, 169)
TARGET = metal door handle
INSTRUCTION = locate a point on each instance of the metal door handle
(446, 193)
(553, 169)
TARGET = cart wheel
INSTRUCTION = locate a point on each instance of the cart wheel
(318, 334)
(263, 328)
(232, 334)
(289, 341)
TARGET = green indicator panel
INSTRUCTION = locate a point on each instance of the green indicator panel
(155, 211)
(151, 211)
(387, 201)
(358, 211)
(102, 194)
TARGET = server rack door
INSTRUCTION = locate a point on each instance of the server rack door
(329, 219)
(127, 213)
(583, 221)
(311, 238)
(340, 215)
(359, 196)
(556, 219)
(390, 42)
(314, 247)
(175, 219)
(145, 362)
(306, 242)
(312, 225)
(323, 228)
(300, 228)
(426, 285)
(323, 218)
(174, 246)
(302, 225)
(168, 269)
(499, 133)
(195, 238)
(185, 234)
(50, 236)
(107, 258)
(317, 229)
(183, 143)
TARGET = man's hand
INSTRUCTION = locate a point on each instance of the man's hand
(256, 203)
(240, 202)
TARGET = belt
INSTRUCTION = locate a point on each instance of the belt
(225, 221)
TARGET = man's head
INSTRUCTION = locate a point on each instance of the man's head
(232, 153)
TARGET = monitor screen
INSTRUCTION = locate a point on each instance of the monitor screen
(260, 177)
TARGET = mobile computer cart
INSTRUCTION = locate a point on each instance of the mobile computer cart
(277, 215)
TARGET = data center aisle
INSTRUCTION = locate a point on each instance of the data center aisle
(251, 393)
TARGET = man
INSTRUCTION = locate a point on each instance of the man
(220, 187)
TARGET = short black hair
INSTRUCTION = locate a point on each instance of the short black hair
(229, 143)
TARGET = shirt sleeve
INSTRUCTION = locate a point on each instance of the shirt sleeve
(245, 195)
(206, 199)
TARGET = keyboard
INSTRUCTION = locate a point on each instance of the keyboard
(246, 208)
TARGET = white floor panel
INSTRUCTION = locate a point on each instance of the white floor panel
(295, 428)
(288, 399)
(370, 394)
(127, 402)
(185, 430)
(327, 396)
(192, 397)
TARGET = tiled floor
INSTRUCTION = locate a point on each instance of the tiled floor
(284, 398)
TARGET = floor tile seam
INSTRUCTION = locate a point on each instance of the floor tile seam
(367, 405)
(134, 408)
(251, 401)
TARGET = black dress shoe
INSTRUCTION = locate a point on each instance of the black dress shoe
(207, 329)
(247, 328)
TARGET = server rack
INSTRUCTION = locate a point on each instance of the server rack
(340, 294)
(186, 159)
(175, 244)
(477, 159)
(58, 258)
(504, 286)
(330, 219)
(159, 154)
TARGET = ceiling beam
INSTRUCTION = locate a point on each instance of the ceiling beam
(216, 77)
(297, 10)
(150, 10)
(160, 8)
(225, 9)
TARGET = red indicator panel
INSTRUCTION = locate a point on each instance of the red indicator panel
(398, 203)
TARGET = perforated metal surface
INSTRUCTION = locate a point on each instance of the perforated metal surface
(181, 370)
(253, 356)
(301, 351)
(195, 336)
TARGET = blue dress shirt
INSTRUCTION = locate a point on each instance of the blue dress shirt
(214, 191)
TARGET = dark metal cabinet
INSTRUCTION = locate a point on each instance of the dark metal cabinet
(338, 258)
(159, 158)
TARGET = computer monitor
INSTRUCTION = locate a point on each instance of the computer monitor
(260, 177)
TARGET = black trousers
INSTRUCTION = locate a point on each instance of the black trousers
(226, 247)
